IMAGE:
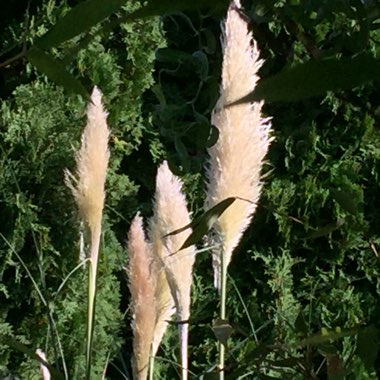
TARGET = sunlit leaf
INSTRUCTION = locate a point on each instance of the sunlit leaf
(202, 224)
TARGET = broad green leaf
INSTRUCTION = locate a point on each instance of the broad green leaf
(316, 78)
(80, 19)
(55, 71)
(203, 223)
(18, 346)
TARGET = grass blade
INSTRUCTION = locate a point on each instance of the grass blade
(315, 78)
(55, 71)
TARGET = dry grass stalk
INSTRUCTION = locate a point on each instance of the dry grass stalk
(44, 370)
(142, 284)
(237, 157)
(170, 213)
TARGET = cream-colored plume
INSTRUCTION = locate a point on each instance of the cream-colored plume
(170, 213)
(88, 190)
(92, 161)
(151, 300)
(237, 157)
(143, 285)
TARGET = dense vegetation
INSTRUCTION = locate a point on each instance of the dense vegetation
(304, 290)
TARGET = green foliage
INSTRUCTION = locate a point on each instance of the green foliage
(307, 271)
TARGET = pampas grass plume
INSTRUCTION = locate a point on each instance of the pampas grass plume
(88, 190)
(92, 161)
(170, 213)
(143, 285)
(237, 157)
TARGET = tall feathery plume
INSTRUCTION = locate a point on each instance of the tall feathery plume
(92, 161)
(88, 190)
(237, 157)
(170, 213)
(143, 285)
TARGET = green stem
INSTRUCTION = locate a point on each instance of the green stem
(93, 265)
(222, 312)
(151, 367)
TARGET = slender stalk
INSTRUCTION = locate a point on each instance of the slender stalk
(222, 312)
(93, 265)
(151, 367)
(184, 334)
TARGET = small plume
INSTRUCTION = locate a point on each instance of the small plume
(143, 285)
(170, 213)
(44, 370)
(236, 159)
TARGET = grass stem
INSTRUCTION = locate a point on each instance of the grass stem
(93, 265)
(222, 312)
(151, 367)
